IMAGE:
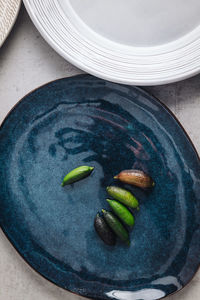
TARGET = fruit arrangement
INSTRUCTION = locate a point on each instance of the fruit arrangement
(113, 224)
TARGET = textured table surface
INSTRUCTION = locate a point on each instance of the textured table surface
(26, 62)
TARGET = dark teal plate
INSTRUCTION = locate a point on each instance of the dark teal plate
(88, 121)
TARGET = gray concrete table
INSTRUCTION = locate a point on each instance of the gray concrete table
(26, 62)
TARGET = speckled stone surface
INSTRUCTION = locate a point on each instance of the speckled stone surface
(26, 62)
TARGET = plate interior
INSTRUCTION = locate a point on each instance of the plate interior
(135, 23)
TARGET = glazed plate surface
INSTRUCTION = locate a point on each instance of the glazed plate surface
(87, 121)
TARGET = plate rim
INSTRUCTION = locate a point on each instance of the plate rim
(194, 70)
(19, 2)
(164, 106)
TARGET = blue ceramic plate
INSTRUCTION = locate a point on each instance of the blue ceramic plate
(88, 121)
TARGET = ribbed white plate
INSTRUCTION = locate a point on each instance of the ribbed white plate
(145, 42)
(8, 13)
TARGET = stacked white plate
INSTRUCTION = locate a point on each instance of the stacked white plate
(142, 42)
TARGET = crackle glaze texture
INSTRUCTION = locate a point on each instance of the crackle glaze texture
(88, 121)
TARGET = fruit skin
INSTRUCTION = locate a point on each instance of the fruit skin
(136, 177)
(122, 212)
(104, 231)
(116, 226)
(77, 174)
(123, 196)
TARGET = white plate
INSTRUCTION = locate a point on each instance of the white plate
(8, 13)
(145, 42)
